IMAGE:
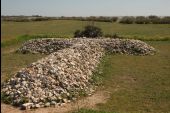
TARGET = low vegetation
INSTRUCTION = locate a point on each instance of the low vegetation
(152, 19)
(89, 32)
(41, 18)
(11, 62)
(23, 38)
(66, 28)
(127, 20)
(142, 20)
(145, 20)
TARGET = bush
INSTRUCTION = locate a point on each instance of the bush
(127, 20)
(165, 20)
(141, 20)
(114, 19)
(89, 31)
(77, 33)
(154, 19)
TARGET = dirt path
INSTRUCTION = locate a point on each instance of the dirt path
(88, 102)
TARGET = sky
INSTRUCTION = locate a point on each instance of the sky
(86, 7)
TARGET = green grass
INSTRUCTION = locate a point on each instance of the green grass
(138, 84)
(11, 30)
(23, 38)
(13, 62)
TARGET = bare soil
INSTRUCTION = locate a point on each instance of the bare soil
(86, 102)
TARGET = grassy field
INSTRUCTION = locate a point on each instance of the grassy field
(138, 84)
(11, 30)
(13, 62)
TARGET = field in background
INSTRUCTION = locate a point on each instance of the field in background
(11, 30)
(138, 84)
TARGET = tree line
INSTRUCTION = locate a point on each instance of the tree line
(145, 20)
(152, 19)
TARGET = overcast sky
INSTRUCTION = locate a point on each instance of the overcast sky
(86, 7)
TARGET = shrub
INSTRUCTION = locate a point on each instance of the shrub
(165, 20)
(77, 33)
(114, 19)
(141, 20)
(89, 31)
(97, 19)
(154, 19)
(127, 20)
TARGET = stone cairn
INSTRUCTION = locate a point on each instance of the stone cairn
(122, 46)
(66, 71)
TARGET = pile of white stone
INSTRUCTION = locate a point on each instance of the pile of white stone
(122, 46)
(55, 79)
(45, 46)
(127, 46)
(66, 72)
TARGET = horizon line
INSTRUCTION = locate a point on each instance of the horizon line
(89, 16)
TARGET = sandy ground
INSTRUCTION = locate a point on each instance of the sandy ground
(87, 102)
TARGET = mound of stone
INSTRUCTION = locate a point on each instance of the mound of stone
(55, 79)
(122, 46)
(45, 46)
(127, 46)
(66, 72)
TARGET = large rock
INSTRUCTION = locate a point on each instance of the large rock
(26, 106)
